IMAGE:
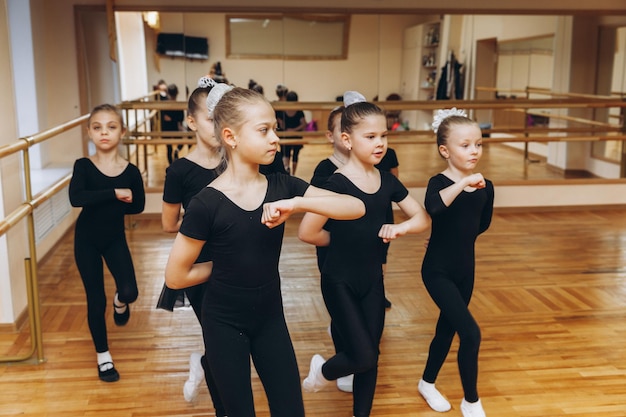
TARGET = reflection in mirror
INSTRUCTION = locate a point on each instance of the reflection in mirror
(522, 64)
(611, 150)
(253, 36)
(288, 36)
(378, 61)
(525, 63)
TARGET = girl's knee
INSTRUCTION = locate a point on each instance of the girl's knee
(471, 337)
(366, 360)
(127, 295)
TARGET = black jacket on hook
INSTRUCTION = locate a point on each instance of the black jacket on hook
(450, 84)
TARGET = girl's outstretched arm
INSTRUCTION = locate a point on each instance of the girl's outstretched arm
(417, 222)
(181, 271)
(315, 200)
(449, 194)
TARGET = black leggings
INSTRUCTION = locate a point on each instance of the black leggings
(240, 323)
(195, 295)
(288, 150)
(88, 255)
(358, 318)
(170, 151)
(452, 296)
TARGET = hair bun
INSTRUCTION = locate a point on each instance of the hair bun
(352, 97)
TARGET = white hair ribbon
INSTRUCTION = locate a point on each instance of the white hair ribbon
(442, 114)
(216, 95)
(352, 97)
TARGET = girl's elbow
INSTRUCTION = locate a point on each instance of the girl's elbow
(305, 237)
(173, 285)
(172, 282)
(169, 228)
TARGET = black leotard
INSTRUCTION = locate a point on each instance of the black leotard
(99, 233)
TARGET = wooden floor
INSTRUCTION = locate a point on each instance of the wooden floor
(550, 299)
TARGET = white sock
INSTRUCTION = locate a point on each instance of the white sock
(120, 307)
(469, 409)
(433, 397)
(105, 361)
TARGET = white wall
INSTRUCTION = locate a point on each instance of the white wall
(12, 244)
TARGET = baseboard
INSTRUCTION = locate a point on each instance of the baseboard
(15, 327)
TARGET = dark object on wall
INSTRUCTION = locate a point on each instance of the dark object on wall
(196, 48)
(452, 79)
(177, 44)
(171, 44)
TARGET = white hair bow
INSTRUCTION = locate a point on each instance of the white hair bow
(206, 82)
(443, 114)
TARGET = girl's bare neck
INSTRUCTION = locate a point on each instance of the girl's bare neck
(109, 163)
(455, 174)
(205, 156)
(339, 159)
(240, 175)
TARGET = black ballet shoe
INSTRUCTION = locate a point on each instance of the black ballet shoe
(121, 318)
(110, 375)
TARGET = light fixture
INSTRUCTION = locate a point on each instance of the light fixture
(152, 20)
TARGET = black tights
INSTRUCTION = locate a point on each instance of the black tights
(452, 297)
(358, 318)
(243, 323)
(171, 156)
(89, 255)
(195, 295)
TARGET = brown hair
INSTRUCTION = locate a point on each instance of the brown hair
(443, 131)
(229, 110)
(197, 100)
(354, 113)
(104, 108)
(337, 111)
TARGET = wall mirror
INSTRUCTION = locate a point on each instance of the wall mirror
(614, 46)
(319, 37)
(375, 59)
(526, 62)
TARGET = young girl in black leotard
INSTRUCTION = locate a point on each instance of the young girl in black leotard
(183, 179)
(460, 203)
(352, 276)
(291, 121)
(240, 217)
(107, 187)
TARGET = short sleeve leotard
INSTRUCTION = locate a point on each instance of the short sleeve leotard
(455, 227)
(183, 180)
(355, 248)
(322, 172)
(245, 252)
